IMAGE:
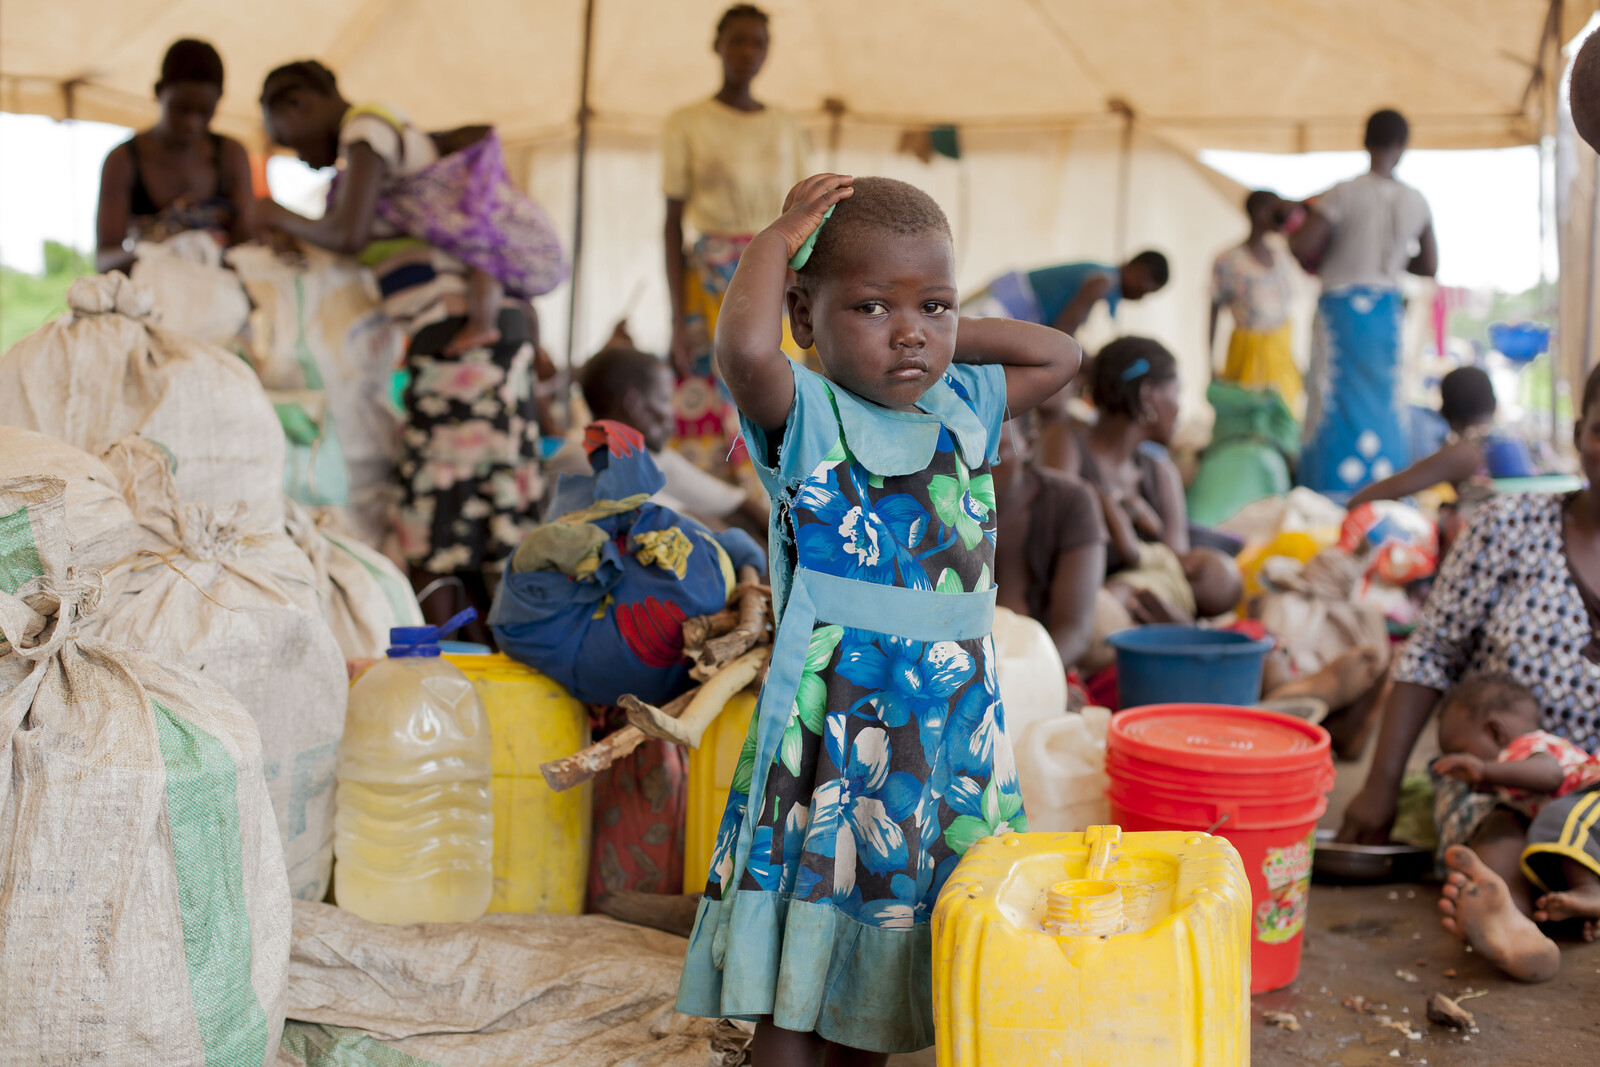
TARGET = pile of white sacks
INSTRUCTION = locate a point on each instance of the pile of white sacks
(172, 688)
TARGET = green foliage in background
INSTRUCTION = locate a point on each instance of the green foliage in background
(27, 300)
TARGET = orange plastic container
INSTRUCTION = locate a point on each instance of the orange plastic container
(1256, 777)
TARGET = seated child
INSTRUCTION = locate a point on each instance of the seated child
(1467, 403)
(1489, 731)
(622, 384)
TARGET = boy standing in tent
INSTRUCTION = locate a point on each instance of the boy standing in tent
(1359, 237)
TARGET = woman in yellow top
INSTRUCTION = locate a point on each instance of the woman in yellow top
(727, 163)
(1255, 282)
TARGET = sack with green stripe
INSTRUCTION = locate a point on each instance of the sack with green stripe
(363, 594)
(144, 908)
(239, 604)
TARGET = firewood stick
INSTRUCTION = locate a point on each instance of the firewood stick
(752, 625)
(687, 727)
(702, 628)
(563, 774)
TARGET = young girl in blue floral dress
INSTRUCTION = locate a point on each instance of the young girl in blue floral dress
(879, 753)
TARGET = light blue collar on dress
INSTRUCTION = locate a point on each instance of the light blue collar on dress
(894, 443)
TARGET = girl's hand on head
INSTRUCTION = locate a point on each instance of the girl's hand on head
(807, 204)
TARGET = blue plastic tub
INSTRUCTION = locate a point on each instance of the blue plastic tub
(1185, 664)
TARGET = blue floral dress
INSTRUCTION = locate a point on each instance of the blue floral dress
(879, 753)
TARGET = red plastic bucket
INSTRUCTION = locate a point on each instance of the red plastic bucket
(1256, 777)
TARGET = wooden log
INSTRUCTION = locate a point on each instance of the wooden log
(563, 774)
(702, 628)
(753, 601)
(687, 727)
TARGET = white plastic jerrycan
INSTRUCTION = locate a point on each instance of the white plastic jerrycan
(1061, 766)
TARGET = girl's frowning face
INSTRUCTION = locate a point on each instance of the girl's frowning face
(884, 320)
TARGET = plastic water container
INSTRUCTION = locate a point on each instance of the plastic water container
(541, 837)
(1061, 766)
(1258, 778)
(1096, 949)
(1157, 664)
(414, 834)
(711, 770)
(1033, 683)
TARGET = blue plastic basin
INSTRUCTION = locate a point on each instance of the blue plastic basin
(1185, 664)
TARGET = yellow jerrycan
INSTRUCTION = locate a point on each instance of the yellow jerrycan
(711, 770)
(1094, 949)
(541, 837)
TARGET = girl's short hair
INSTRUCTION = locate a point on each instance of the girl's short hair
(1122, 367)
(192, 61)
(877, 206)
(303, 74)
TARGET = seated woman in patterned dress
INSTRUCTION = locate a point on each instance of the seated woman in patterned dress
(1516, 596)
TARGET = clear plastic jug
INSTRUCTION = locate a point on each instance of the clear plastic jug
(414, 834)
(1061, 767)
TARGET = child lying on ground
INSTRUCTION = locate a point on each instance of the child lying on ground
(1488, 730)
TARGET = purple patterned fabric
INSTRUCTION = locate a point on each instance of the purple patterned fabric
(465, 206)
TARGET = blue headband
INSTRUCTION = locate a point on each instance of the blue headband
(1137, 368)
(803, 253)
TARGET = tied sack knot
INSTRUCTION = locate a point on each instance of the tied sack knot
(205, 533)
(51, 611)
(111, 294)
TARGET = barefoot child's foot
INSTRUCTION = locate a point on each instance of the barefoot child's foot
(473, 335)
(1478, 909)
(1579, 900)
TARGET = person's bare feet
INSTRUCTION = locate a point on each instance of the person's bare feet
(1343, 681)
(472, 336)
(1579, 902)
(1478, 909)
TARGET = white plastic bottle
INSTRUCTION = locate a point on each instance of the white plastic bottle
(1061, 767)
(414, 835)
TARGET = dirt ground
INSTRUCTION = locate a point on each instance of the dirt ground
(1370, 941)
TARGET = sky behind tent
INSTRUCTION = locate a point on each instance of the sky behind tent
(1485, 203)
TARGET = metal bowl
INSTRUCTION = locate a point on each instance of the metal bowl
(1336, 862)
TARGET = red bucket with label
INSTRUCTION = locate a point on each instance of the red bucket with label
(1258, 778)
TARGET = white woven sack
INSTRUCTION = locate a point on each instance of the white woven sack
(240, 606)
(105, 370)
(195, 294)
(363, 594)
(144, 915)
(100, 525)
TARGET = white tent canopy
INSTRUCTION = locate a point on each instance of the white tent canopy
(1046, 173)
(1279, 75)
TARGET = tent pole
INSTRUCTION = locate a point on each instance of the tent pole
(577, 199)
